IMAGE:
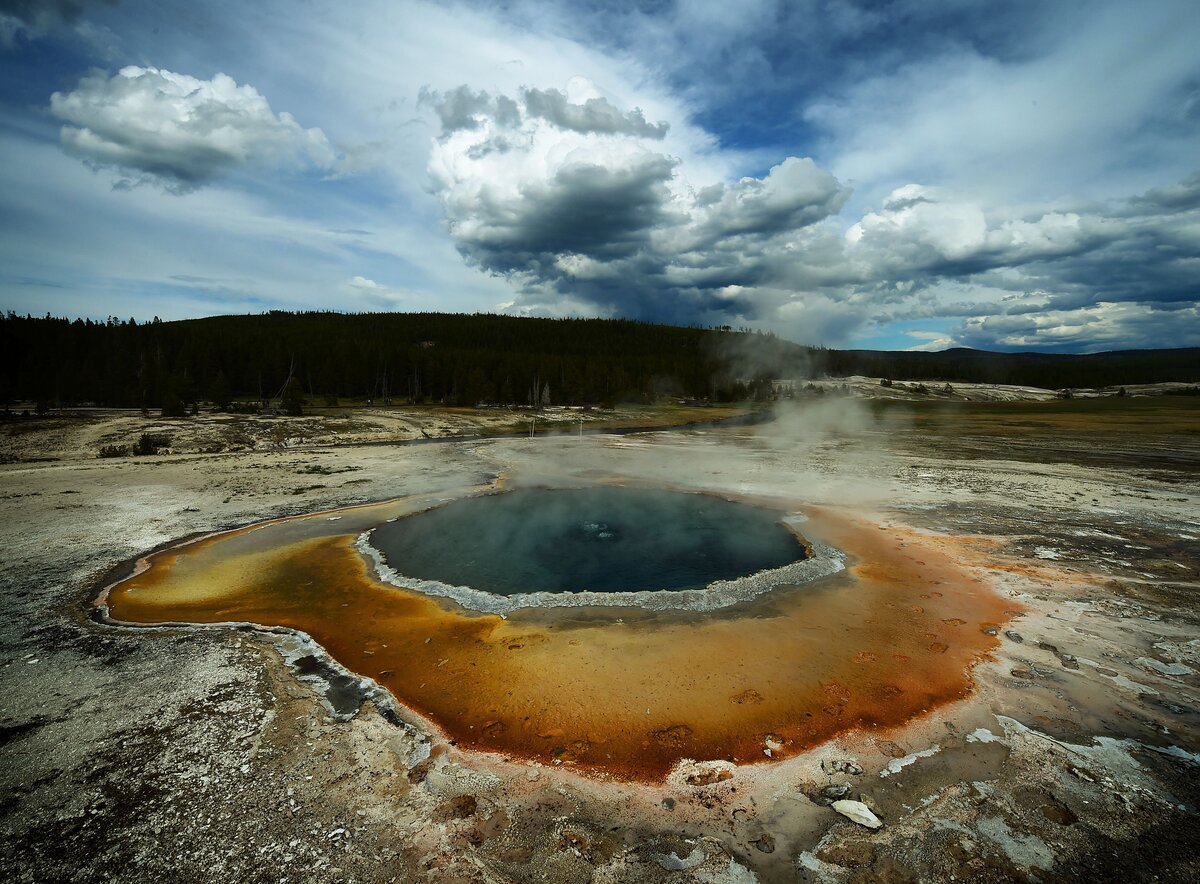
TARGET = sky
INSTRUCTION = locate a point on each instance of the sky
(913, 174)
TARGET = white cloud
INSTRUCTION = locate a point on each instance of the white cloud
(1101, 326)
(375, 295)
(931, 341)
(157, 125)
(1097, 110)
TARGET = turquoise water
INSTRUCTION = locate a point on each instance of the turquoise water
(602, 539)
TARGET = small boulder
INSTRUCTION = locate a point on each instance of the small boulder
(857, 812)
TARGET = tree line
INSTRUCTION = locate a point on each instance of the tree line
(457, 359)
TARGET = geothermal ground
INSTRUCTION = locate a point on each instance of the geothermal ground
(1060, 739)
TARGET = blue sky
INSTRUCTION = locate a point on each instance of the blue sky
(1021, 176)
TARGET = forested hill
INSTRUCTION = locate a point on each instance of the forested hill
(468, 359)
(1053, 371)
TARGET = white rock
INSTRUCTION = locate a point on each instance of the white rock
(858, 812)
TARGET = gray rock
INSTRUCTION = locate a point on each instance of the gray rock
(1152, 665)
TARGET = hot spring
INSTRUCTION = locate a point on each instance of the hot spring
(601, 539)
(617, 629)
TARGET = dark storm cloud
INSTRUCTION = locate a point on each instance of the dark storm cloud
(584, 209)
(1181, 197)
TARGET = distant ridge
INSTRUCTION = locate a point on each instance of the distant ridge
(463, 359)
(1050, 370)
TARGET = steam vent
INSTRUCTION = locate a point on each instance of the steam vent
(617, 630)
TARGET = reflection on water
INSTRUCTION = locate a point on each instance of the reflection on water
(622, 691)
(603, 539)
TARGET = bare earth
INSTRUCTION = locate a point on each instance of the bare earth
(200, 754)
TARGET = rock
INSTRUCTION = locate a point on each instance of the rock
(835, 765)
(1152, 665)
(1046, 646)
(1022, 672)
(857, 812)
(1012, 635)
(672, 862)
(765, 843)
(836, 791)
(709, 775)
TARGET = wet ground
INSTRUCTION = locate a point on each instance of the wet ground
(220, 752)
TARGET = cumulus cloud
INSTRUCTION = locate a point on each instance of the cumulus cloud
(1120, 274)
(991, 150)
(593, 114)
(1099, 326)
(920, 231)
(461, 108)
(568, 197)
(596, 219)
(178, 131)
